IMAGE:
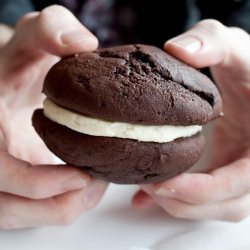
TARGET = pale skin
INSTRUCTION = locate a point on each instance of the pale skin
(223, 192)
(34, 192)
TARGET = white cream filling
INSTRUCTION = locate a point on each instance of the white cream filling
(97, 127)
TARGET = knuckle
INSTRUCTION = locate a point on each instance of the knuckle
(177, 212)
(43, 21)
(211, 24)
(67, 215)
(26, 18)
(67, 211)
(49, 12)
(50, 34)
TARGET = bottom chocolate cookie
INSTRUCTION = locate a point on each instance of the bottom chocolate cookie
(118, 160)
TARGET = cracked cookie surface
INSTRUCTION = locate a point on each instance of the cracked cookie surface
(136, 84)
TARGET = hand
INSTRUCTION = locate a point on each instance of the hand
(37, 195)
(223, 193)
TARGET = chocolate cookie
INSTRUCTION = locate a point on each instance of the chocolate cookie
(127, 114)
(119, 160)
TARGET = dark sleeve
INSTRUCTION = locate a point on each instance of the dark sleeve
(229, 12)
(12, 10)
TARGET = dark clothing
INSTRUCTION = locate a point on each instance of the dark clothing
(137, 21)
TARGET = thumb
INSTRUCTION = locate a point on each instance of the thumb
(210, 43)
(226, 51)
(54, 30)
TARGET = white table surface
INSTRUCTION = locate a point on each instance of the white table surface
(115, 225)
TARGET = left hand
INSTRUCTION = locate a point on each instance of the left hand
(223, 193)
(34, 192)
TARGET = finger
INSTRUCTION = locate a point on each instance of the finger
(38, 182)
(234, 210)
(60, 34)
(211, 43)
(29, 148)
(19, 212)
(201, 188)
(141, 200)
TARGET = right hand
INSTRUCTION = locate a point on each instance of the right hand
(37, 195)
(223, 191)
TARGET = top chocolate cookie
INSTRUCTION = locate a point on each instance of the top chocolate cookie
(135, 84)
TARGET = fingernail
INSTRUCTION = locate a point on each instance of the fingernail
(77, 36)
(75, 182)
(166, 192)
(190, 44)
